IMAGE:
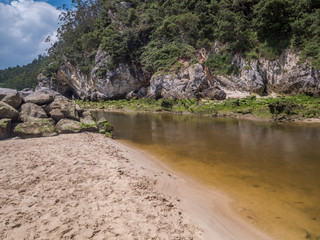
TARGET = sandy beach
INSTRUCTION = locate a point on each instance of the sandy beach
(86, 186)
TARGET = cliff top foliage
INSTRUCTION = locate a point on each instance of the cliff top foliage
(155, 34)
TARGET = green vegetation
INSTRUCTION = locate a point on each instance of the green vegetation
(155, 35)
(105, 127)
(280, 108)
(41, 127)
(21, 77)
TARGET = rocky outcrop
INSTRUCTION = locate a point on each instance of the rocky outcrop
(117, 83)
(102, 84)
(284, 75)
(11, 97)
(38, 114)
(189, 83)
(256, 75)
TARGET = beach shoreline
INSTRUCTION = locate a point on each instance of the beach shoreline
(84, 185)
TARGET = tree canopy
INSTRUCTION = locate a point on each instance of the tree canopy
(155, 34)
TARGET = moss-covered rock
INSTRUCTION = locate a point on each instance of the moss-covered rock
(38, 128)
(5, 128)
(71, 126)
(7, 111)
(104, 124)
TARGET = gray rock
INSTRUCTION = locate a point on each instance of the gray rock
(25, 92)
(37, 128)
(40, 97)
(62, 105)
(142, 92)
(46, 82)
(71, 126)
(219, 95)
(214, 94)
(284, 75)
(186, 85)
(6, 111)
(131, 95)
(5, 128)
(56, 114)
(30, 111)
(10, 97)
(112, 84)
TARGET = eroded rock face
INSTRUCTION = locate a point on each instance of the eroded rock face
(30, 111)
(102, 84)
(37, 128)
(5, 128)
(46, 82)
(6, 111)
(284, 75)
(189, 83)
(11, 97)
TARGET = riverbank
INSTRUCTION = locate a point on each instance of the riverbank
(299, 108)
(89, 186)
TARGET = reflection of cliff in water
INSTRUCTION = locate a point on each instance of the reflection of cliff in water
(263, 164)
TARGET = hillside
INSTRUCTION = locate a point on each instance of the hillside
(110, 48)
(21, 77)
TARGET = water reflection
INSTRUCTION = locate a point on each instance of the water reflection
(262, 164)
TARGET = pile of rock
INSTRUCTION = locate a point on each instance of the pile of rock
(40, 113)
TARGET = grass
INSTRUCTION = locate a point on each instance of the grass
(279, 108)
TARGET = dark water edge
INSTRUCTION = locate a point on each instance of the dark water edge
(272, 170)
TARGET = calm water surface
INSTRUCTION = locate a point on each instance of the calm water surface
(272, 170)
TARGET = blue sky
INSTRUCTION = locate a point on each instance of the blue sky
(24, 25)
(55, 3)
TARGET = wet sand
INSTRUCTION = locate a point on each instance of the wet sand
(86, 186)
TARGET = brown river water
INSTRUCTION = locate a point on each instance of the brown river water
(272, 171)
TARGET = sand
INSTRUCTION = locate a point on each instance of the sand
(86, 186)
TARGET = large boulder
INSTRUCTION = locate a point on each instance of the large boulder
(5, 128)
(214, 94)
(61, 107)
(30, 111)
(11, 97)
(37, 128)
(6, 111)
(71, 126)
(40, 97)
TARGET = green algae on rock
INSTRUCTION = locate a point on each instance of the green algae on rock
(37, 128)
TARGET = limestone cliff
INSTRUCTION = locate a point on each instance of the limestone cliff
(260, 76)
(284, 75)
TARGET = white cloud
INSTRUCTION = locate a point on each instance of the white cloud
(24, 25)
